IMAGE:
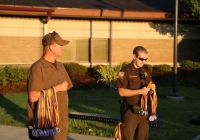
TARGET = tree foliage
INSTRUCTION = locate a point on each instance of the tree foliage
(194, 6)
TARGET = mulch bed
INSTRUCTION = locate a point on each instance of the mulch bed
(79, 81)
(16, 88)
(185, 77)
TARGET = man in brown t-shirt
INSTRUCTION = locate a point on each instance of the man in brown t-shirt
(46, 73)
(131, 83)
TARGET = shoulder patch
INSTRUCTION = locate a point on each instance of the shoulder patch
(121, 75)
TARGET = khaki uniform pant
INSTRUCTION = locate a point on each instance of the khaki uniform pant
(134, 126)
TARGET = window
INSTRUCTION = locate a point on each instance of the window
(82, 50)
(100, 50)
(78, 50)
(67, 53)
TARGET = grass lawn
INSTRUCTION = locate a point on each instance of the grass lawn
(175, 115)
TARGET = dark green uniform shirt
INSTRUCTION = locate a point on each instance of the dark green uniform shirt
(133, 78)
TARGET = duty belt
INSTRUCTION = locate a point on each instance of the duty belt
(137, 110)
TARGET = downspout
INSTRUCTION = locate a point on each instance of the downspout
(45, 29)
(45, 22)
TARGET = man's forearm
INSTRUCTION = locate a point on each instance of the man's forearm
(123, 92)
(34, 96)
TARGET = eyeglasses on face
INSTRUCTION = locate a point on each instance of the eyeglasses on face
(142, 59)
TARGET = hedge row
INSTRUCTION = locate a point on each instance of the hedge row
(10, 75)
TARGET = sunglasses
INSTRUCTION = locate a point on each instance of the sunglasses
(52, 36)
(142, 59)
(53, 33)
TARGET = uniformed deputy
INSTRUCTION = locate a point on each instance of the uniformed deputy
(46, 73)
(131, 83)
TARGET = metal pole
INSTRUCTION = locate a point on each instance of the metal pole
(175, 49)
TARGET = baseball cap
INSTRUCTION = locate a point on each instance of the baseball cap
(58, 40)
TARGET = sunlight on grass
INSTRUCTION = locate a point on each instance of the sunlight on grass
(175, 115)
(91, 128)
(92, 109)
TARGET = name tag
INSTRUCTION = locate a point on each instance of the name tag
(132, 76)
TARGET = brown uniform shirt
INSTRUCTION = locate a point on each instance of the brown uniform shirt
(42, 75)
(130, 77)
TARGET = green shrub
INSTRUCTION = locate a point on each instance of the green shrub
(94, 71)
(109, 74)
(164, 67)
(190, 64)
(148, 67)
(10, 75)
(75, 68)
(97, 67)
(3, 78)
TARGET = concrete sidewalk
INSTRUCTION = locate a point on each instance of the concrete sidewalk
(21, 133)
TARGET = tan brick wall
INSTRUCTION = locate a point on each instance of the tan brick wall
(20, 50)
(159, 50)
(122, 49)
(26, 50)
(21, 42)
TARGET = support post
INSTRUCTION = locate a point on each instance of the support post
(175, 91)
(175, 95)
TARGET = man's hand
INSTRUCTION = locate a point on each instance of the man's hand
(153, 87)
(61, 87)
(144, 90)
(152, 118)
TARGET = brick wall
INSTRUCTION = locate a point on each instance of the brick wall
(159, 50)
(21, 42)
(26, 50)
(20, 50)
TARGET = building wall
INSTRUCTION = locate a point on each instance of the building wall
(157, 38)
(20, 39)
(20, 50)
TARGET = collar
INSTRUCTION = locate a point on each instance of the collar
(48, 64)
(133, 67)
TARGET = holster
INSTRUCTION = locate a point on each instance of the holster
(123, 108)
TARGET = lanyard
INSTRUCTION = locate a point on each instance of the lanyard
(152, 99)
(47, 115)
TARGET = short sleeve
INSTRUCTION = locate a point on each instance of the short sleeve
(122, 80)
(35, 78)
